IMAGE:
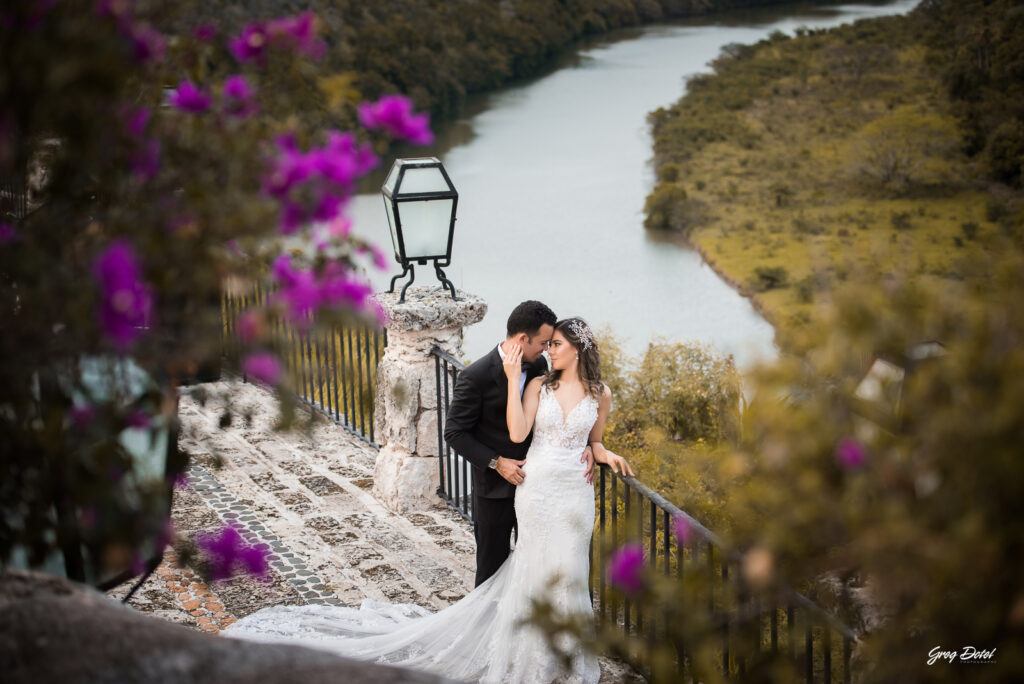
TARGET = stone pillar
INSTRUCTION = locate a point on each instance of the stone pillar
(405, 409)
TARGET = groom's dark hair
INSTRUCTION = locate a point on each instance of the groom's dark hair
(528, 317)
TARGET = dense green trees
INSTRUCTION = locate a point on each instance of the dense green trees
(438, 52)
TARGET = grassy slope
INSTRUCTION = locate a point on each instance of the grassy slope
(801, 127)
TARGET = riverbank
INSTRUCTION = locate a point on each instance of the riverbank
(805, 162)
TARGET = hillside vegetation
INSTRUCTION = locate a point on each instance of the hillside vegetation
(438, 52)
(891, 145)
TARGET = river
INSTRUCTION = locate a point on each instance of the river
(552, 174)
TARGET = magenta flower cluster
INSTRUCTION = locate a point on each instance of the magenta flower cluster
(230, 555)
(263, 366)
(314, 185)
(125, 300)
(626, 568)
(189, 98)
(145, 158)
(7, 233)
(393, 114)
(204, 33)
(303, 291)
(850, 454)
(147, 44)
(682, 530)
(239, 97)
(297, 33)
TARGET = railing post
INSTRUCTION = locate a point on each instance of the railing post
(405, 421)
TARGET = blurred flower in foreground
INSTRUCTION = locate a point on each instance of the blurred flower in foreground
(82, 415)
(138, 419)
(850, 454)
(126, 301)
(229, 554)
(625, 568)
(297, 33)
(682, 530)
(314, 185)
(238, 97)
(189, 98)
(263, 366)
(7, 233)
(204, 33)
(393, 113)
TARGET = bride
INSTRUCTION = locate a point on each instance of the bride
(483, 637)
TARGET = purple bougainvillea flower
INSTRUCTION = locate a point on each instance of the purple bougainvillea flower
(118, 9)
(850, 454)
(626, 568)
(238, 97)
(251, 44)
(145, 160)
(297, 33)
(393, 113)
(148, 44)
(297, 288)
(229, 554)
(682, 530)
(263, 366)
(189, 98)
(7, 233)
(138, 419)
(135, 120)
(340, 227)
(125, 300)
(181, 481)
(248, 327)
(204, 33)
(82, 415)
(339, 288)
(315, 185)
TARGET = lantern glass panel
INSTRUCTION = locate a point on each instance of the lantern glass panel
(425, 226)
(418, 180)
(391, 224)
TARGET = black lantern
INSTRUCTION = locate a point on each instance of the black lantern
(420, 201)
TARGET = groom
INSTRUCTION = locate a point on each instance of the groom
(477, 428)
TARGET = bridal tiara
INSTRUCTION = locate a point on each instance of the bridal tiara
(582, 333)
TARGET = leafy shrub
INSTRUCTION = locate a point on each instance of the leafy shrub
(769, 278)
(995, 209)
(668, 207)
(668, 173)
(901, 220)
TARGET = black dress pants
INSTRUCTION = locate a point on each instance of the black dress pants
(495, 520)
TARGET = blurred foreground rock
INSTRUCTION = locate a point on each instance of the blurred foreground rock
(53, 630)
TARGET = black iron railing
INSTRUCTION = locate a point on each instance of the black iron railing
(334, 370)
(454, 477)
(626, 509)
(13, 200)
(793, 625)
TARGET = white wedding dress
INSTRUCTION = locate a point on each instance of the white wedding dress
(481, 637)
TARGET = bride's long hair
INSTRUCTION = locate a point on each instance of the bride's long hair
(589, 368)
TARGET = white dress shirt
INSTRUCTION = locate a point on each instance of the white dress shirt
(522, 377)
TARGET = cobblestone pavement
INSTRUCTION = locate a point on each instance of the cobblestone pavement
(306, 495)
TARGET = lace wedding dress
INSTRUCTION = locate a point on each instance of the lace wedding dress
(481, 637)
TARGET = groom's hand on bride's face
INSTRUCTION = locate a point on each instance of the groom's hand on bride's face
(510, 470)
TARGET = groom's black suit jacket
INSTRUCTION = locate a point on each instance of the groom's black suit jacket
(476, 426)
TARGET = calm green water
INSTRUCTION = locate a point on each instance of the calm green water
(552, 176)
